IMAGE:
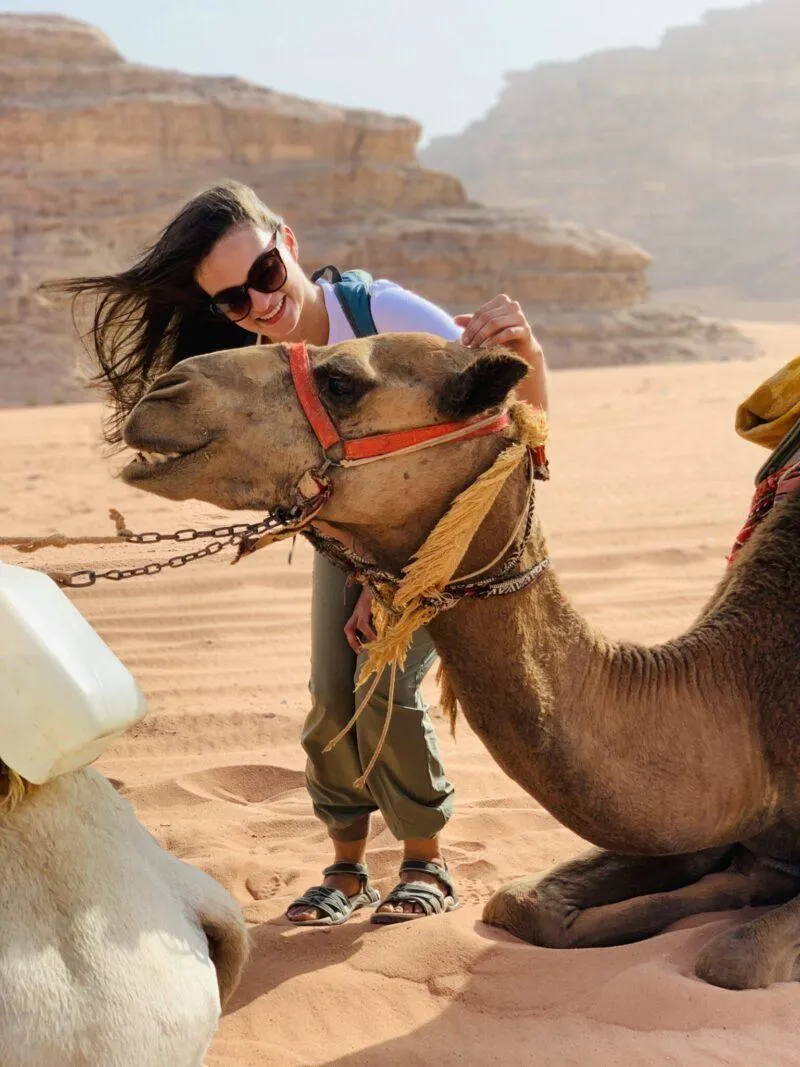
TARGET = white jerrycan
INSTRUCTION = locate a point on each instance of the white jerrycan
(64, 695)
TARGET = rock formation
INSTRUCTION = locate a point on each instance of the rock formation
(691, 149)
(97, 153)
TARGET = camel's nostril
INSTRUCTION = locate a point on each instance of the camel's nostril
(168, 386)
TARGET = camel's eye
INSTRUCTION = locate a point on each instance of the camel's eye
(339, 386)
(343, 384)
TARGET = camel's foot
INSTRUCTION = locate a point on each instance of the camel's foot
(604, 898)
(601, 898)
(528, 914)
(757, 954)
(737, 960)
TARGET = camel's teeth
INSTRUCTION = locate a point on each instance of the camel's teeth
(154, 458)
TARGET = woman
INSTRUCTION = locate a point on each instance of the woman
(225, 272)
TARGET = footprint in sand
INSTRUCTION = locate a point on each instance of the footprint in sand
(263, 884)
(242, 784)
(471, 892)
(474, 879)
(467, 846)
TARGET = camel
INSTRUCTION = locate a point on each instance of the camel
(678, 762)
(112, 950)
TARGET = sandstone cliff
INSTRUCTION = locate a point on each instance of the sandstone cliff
(96, 152)
(692, 149)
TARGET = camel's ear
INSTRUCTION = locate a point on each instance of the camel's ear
(484, 384)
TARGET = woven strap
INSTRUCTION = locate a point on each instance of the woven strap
(421, 891)
(430, 898)
(331, 902)
(441, 873)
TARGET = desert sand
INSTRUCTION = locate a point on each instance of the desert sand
(649, 487)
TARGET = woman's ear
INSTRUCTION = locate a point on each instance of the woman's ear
(291, 242)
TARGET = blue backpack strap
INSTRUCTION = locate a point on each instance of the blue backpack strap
(352, 290)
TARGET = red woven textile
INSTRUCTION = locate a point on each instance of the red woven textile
(772, 489)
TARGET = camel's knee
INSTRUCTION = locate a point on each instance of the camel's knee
(228, 947)
(532, 911)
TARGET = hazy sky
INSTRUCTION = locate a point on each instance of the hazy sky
(440, 61)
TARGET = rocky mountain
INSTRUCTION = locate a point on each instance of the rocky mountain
(96, 153)
(691, 149)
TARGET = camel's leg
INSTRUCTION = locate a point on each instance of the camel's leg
(758, 953)
(604, 898)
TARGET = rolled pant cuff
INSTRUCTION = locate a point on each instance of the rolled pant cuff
(356, 831)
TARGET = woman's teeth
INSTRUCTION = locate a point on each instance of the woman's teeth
(274, 314)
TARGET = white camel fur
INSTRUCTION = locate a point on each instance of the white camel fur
(113, 952)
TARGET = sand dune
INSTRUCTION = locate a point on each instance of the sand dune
(649, 487)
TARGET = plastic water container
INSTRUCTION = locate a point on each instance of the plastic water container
(64, 695)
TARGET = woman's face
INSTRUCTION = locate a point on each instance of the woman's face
(227, 264)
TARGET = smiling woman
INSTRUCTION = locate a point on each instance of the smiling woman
(276, 297)
(225, 273)
(267, 275)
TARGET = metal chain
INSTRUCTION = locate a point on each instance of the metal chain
(223, 536)
(238, 530)
(248, 536)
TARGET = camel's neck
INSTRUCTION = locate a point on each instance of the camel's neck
(618, 741)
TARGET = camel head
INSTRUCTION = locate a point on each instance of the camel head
(228, 428)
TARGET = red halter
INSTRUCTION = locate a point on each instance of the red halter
(366, 449)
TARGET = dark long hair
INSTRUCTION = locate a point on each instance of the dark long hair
(149, 317)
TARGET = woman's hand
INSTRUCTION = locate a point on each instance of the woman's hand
(501, 321)
(360, 622)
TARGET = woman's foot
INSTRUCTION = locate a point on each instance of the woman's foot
(414, 899)
(333, 906)
(349, 884)
(427, 850)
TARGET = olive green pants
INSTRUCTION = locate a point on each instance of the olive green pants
(408, 784)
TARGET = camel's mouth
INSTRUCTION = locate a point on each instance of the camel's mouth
(150, 464)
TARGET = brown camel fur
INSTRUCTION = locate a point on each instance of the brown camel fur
(679, 761)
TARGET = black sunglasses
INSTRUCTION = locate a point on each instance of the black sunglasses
(267, 275)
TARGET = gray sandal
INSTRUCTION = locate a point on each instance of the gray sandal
(430, 898)
(336, 906)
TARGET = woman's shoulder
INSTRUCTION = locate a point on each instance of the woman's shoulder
(396, 309)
